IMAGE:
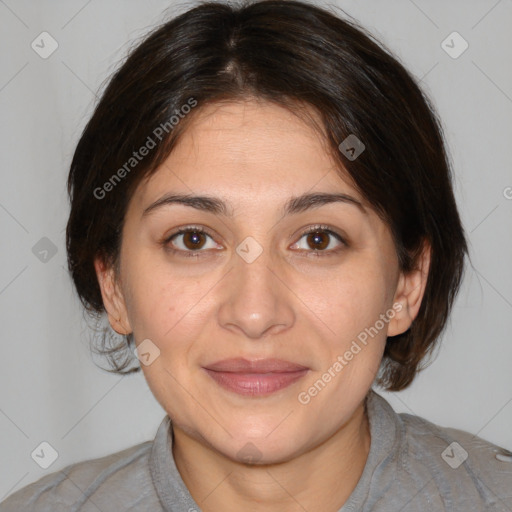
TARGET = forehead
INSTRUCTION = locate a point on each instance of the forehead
(249, 149)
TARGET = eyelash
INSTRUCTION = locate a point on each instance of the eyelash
(313, 253)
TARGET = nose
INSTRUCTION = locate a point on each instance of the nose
(257, 301)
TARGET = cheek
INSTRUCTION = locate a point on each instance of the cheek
(160, 297)
(347, 300)
(171, 311)
(164, 309)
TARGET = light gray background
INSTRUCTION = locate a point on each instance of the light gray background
(50, 388)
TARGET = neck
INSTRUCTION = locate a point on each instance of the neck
(320, 479)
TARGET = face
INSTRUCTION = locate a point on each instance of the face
(248, 281)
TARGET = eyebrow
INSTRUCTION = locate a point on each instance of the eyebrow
(294, 205)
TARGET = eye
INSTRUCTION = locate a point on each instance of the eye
(321, 239)
(188, 241)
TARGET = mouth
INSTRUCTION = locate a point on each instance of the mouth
(255, 377)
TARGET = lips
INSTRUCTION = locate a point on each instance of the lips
(255, 377)
(241, 365)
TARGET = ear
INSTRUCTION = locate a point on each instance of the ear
(409, 293)
(113, 299)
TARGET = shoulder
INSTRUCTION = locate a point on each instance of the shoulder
(123, 475)
(457, 456)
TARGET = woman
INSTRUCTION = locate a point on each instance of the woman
(262, 205)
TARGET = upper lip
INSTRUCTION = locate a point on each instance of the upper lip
(241, 365)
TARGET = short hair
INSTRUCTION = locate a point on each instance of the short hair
(292, 54)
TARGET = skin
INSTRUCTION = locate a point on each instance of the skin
(286, 304)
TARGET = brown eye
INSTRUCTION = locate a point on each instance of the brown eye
(318, 240)
(190, 242)
(193, 239)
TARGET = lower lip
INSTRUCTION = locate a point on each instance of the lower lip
(255, 384)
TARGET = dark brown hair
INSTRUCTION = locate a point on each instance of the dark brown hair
(293, 54)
